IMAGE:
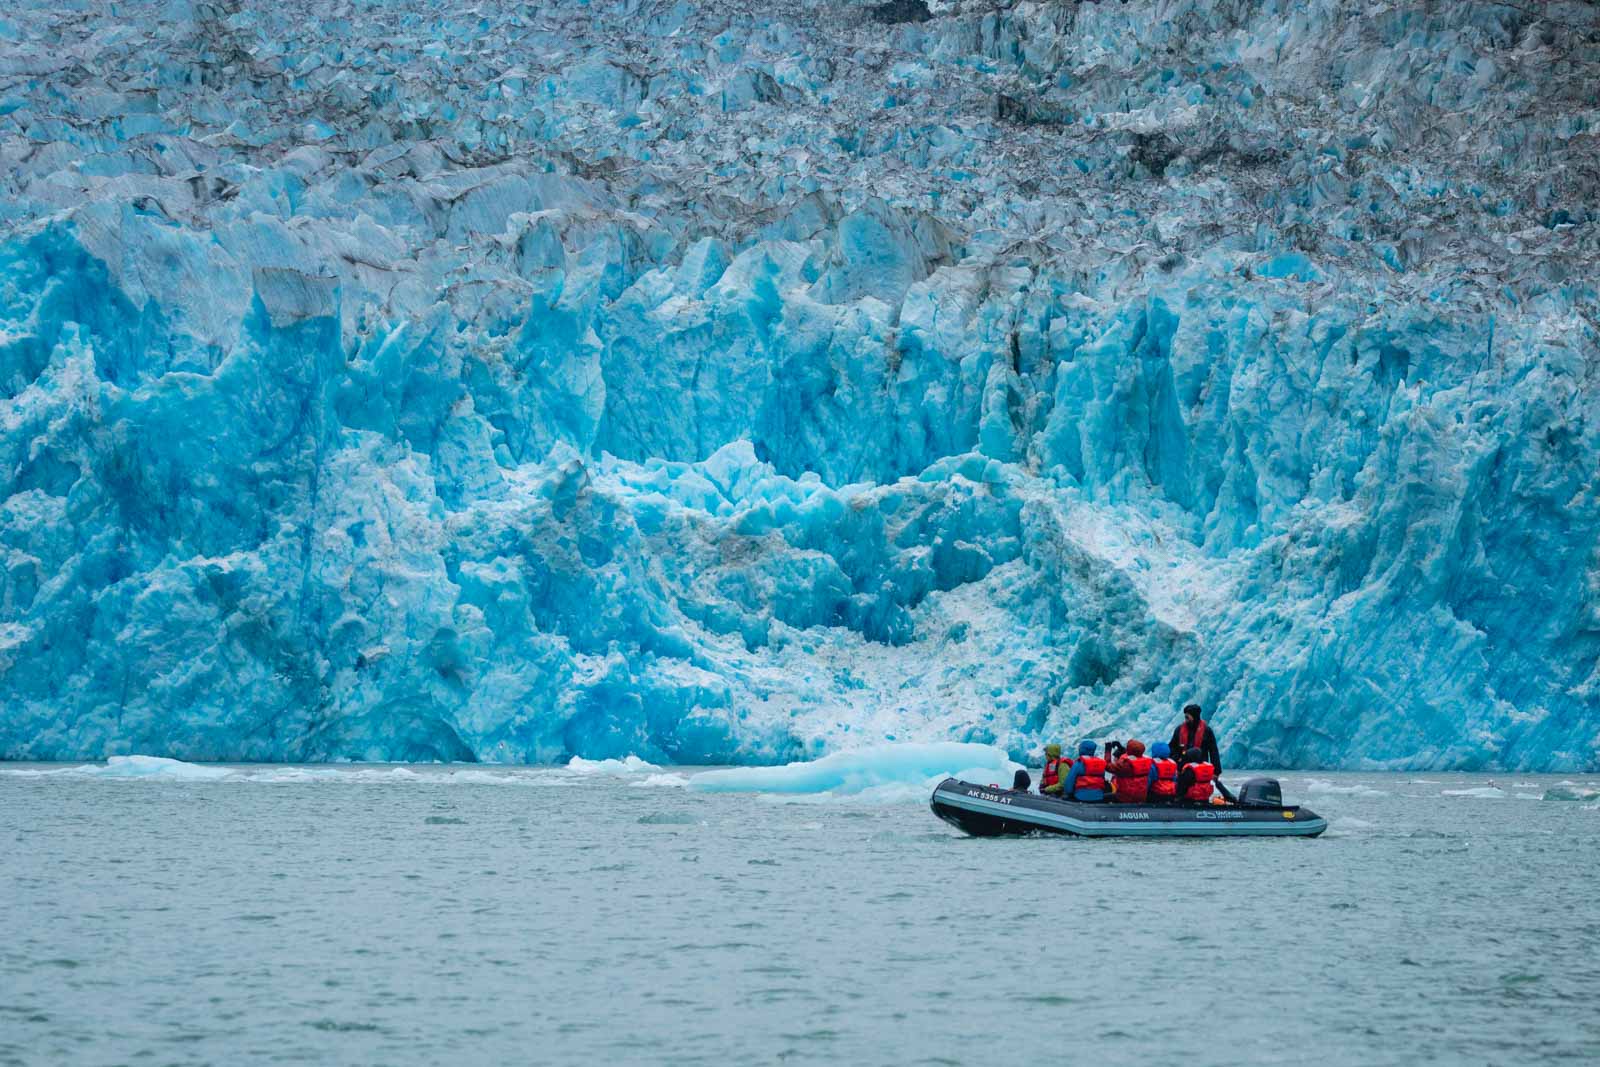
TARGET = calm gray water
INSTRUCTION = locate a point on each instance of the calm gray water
(374, 915)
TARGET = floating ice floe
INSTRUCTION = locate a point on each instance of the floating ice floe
(661, 781)
(152, 767)
(615, 767)
(888, 773)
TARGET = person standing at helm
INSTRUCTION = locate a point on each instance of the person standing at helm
(1163, 774)
(1195, 732)
(1055, 769)
(1087, 779)
(1130, 775)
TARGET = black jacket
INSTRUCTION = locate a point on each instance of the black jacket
(1208, 746)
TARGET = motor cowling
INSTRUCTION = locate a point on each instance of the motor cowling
(1261, 793)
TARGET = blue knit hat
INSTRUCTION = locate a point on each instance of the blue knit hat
(1160, 750)
(1085, 748)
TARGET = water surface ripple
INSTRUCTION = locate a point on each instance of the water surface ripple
(368, 915)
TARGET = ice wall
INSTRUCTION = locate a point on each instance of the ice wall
(729, 382)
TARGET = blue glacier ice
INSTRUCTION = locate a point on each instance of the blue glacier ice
(716, 382)
(874, 769)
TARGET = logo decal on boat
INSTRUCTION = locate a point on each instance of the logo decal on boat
(1134, 815)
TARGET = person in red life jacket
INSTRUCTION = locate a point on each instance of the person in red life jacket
(1163, 774)
(1130, 774)
(1055, 769)
(1198, 778)
(1087, 778)
(1195, 732)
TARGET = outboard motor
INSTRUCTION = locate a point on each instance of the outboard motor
(1261, 793)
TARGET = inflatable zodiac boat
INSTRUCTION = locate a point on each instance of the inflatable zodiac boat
(989, 811)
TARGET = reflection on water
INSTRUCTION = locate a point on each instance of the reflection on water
(409, 915)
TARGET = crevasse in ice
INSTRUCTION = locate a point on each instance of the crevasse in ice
(730, 382)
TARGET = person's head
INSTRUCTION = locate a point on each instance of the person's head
(1191, 755)
(1135, 747)
(1085, 748)
(1192, 713)
(1161, 750)
(1021, 781)
(1052, 751)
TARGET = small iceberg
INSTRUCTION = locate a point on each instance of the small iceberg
(891, 772)
(154, 767)
(158, 767)
(612, 767)
(661, 781)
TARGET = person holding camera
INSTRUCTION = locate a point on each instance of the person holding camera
(1131, 772)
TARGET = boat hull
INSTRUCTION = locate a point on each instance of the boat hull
(985, 811)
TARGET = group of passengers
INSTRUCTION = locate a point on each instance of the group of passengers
(1126, 775)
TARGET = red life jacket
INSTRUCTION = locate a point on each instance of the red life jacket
(1166, 787)
(1091, 774)
(1052, 772)
(1132, 786)
(1200, 792)
(1185, 742)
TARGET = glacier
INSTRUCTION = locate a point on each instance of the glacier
(720, 383)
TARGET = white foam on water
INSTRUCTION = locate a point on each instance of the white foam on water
(36, 772)
(541, 776)
(1570, 791)
(292, 775)
(887, 774)
(1348, 827)
(1482, 792)
(1324, 787)
(614, 767)
(160, 768)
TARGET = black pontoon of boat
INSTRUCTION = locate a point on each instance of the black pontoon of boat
(988, 811)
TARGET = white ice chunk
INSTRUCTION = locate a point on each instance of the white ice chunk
(614, 767)
(867, 768)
